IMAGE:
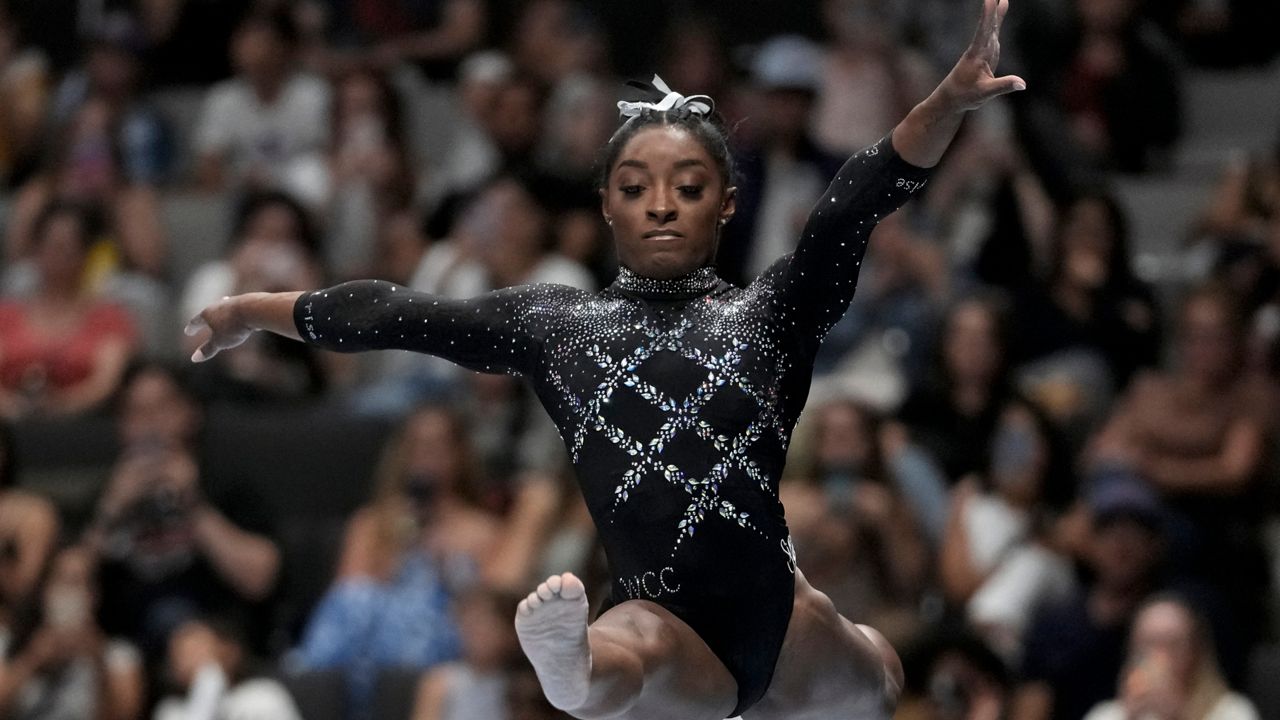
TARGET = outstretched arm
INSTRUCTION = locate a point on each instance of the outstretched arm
(500, 331)
(816, 283)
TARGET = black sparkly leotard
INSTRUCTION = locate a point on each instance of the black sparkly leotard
(675, 398)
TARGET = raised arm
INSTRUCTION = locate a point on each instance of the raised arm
(816, 283)
(499, 331)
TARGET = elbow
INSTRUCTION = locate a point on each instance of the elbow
(260, 582)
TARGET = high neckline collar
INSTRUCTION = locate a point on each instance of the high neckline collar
(698, 282)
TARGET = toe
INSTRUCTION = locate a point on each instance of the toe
(571, 588)
(554, 582)
(544, 592)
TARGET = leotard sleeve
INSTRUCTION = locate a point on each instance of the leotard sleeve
(814, 285)
(500, 331)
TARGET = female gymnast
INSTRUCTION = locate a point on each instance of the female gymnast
(676, 394)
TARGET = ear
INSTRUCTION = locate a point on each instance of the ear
(604, 206)
(728, 204)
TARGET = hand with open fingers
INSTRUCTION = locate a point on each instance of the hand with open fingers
(972, 82)
(225, 326)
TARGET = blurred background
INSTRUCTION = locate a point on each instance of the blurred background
(1039, 455)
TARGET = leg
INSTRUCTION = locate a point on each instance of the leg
(636, 661)
(829, 668)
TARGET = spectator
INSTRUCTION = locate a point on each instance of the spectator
(112, 73)
(434, 35)
(1197, 433)
(476, 686)
(1118, 87)
(171, 548)
(953, 414)
(953, 675)
(86, 167)
(24, 96)
(1172, 671)
(786, 170)
(869, 78)
(274, 246)
(268, 127)
(1074, 649)
(65, 667)
(208, 661)
(62, 352)
(1090, 300)
(854, 535)
(421, 542)
(370, 168)
(997, 559)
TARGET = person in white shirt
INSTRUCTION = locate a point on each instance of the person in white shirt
(208, 663)
(269, 125)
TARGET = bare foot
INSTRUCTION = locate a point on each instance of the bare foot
(552, 626)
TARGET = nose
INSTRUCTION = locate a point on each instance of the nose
(662, 207)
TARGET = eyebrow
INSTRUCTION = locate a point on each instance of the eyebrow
(687, 162)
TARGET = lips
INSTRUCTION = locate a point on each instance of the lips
(663, 234)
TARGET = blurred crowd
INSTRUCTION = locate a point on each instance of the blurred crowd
(1049, 479)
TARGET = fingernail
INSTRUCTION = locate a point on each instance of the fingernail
(1019, 86)
(197, 356)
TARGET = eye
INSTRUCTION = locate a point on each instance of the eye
(693, 191)
(630, 189)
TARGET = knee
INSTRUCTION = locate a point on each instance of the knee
(894, 675)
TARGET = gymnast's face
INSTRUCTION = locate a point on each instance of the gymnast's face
(666, 203)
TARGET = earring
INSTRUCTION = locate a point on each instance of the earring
(608, 221)
(724, 220)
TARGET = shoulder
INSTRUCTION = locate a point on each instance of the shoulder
(1109, 710)
(260, 698)
(1233, 706)
(304, 88)
(226, 94)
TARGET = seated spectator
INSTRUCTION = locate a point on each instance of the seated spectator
(170, 548)
(1172, 671)
(64, 665)
(997, 557)
(208, 661)
(433, 36)
(1073, 649)
(785, 170)
(86, 167)
(28, 531)
(953, 675)
(268, 127)
(870, 77)
(854, 535)
(1117, 85)
(371, 171)
(502, 240)
(274, 247)
(112, 72)
(954, 413)
(420, 543)
(1090, 299)
(24, 97)
(476, 686)
(1197, 433)
(62, 352)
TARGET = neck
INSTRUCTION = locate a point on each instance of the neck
(698, 282)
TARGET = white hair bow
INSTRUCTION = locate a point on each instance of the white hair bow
(697, 104)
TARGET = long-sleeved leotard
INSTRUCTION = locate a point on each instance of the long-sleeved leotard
(675, 399)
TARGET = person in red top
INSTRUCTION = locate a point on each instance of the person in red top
(62, 352)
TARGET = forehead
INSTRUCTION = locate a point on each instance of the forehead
(662, 146)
